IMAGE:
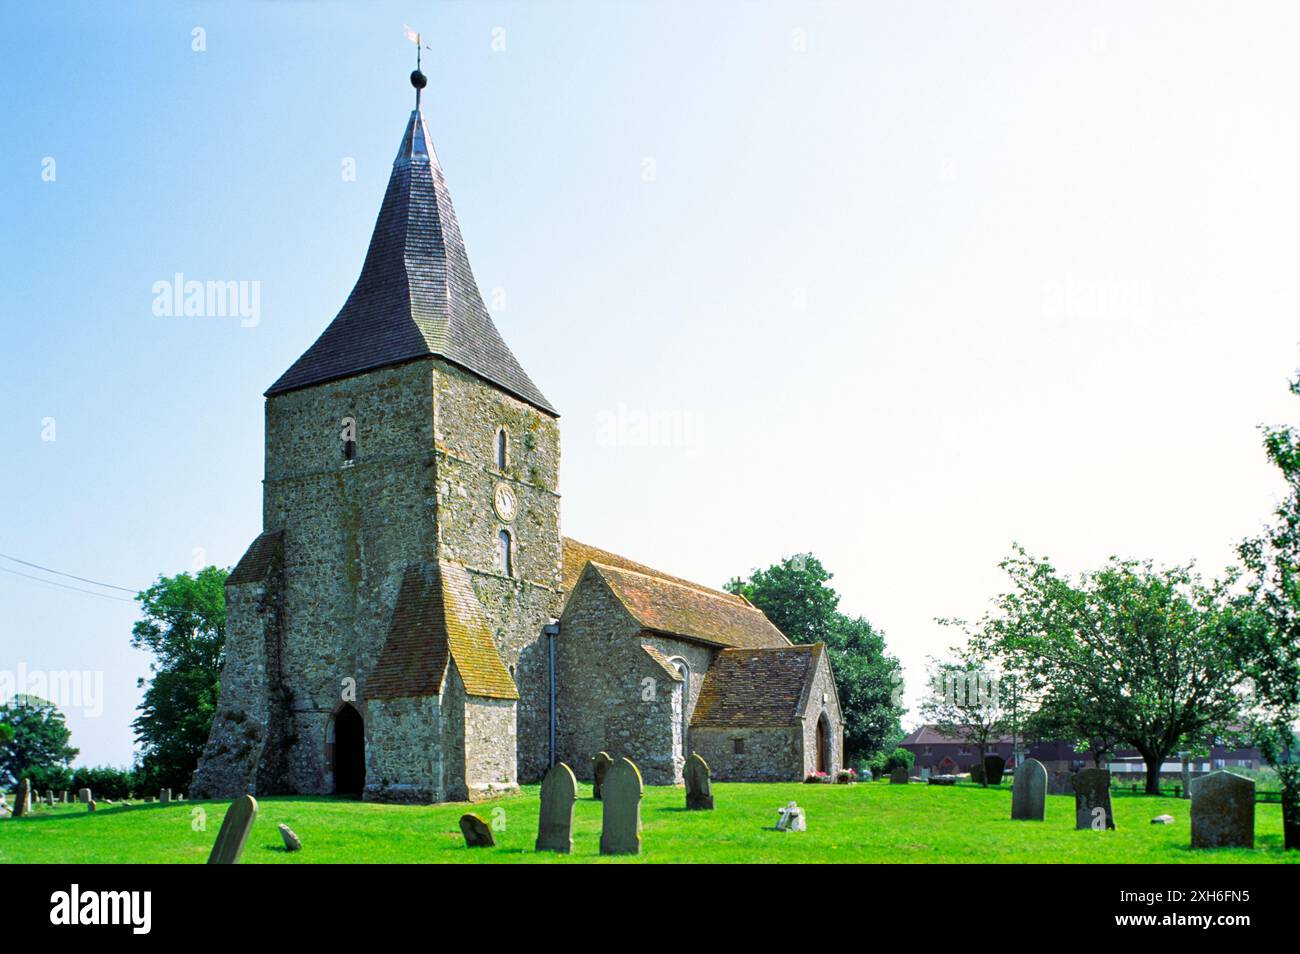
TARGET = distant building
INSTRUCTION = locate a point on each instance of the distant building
(940, 754)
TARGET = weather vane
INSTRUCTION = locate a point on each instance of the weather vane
(418, 79)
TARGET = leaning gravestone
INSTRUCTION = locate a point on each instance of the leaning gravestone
(620, 824)
(699, 790)
(994, 766)
(23, 799)
(898, 776)
(1092, 800)
(234, 831)
(90, 805)
(290, 838)
(600, 764)
(555, 819)
(1029, 791)
(1223, 811)
(476, 831)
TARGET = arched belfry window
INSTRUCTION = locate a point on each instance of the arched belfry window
(502, 449)
(505, 554)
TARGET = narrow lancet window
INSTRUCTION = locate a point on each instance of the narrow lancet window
(505, 559)
(501, 449)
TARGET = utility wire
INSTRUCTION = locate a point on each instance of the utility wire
(71, 576)
(75, 589)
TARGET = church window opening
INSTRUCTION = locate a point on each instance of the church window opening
(505, 558)
(502, 448)
(348, 435)
(738, 746)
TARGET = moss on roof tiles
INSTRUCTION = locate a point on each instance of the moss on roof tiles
(748, 688)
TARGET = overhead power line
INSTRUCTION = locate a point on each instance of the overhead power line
(65, 586)
(71, 576)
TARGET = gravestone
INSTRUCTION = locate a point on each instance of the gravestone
(1187, 778)
(977, 774)
(291, 841)
(898, 776)
(791, 818)
(49, 797)
(23, 799)
(699, 790)
(90, 805)
(164, 796)
(1163, 820)
(234, 831)
(1092, 800)
(555, 818)
(620, 823)
(942, 780)
(994, 766)
(476, 831)
(83, 796)
(600, 764)
(64, 797)
(1223, 811)
(1029, 791)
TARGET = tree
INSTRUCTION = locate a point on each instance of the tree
(37, 748)
(184, 627)
(795, 596)
(1145, 655)
(1270, 653)
(965, 701)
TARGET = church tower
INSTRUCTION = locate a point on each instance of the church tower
(384, 631)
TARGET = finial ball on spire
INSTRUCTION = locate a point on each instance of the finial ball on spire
(419, 80)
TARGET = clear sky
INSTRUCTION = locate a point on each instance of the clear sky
(899, 283)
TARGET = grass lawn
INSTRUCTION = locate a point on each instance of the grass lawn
(875, 822)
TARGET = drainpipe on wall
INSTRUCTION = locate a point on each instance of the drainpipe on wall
(551, 630)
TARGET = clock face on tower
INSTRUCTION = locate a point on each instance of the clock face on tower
(504, 502)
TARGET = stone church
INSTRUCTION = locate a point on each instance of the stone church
(410, 625)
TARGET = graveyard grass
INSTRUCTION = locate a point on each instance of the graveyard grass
(875, 822)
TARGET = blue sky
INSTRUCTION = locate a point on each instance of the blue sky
(901, 282)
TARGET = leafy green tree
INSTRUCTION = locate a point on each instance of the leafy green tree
(1147, 654)
(796, 597)
(966, 700)
(885, 762)
(184, 627)
(1270, 655)
(38, 744)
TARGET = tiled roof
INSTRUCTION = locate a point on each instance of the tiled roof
(438, 618)
(257, 559)
(577, 555)
(932, 735)
(662, 661)
(663, 605)
(756, 687)
(416, 295)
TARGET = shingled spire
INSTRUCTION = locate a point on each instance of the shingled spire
(416, 296)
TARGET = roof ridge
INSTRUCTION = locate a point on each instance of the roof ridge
(684, 584)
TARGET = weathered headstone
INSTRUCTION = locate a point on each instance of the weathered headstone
(1223, 811)
(620, 824)
(977, 773)
(600, 764)
(64, 797)
(942, 780)
(49, 797)
(291, 841)
(1163, 820)
(699, 789)
(791, 818)
(23, 799)
(83, 796)
(1092, 800)
(90, 805)
(477, 832)
(898, 776)
(164, 796)
(1187, 778)
(1029, 791)
(555, 818)
(234, 831)
(994, 766)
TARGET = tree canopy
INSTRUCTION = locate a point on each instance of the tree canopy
(36, 746)
(184, 626)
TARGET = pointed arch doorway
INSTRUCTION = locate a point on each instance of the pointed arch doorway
(349, 749)
(823, 744)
